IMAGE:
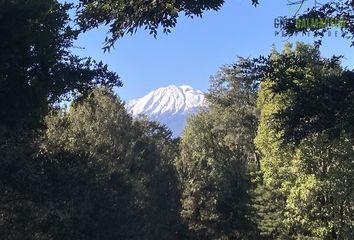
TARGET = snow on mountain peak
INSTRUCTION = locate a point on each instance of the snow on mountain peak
(170, 105)
(167, 100)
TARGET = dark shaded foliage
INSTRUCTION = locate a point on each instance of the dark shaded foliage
(36, 65)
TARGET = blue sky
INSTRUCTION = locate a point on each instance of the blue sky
(198, 47)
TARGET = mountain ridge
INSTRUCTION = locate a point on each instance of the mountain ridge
(169, 105)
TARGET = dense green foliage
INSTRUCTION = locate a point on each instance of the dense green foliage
(36, 69)
(306, 175)
(294, 181)
(143, 200)
(217, 152)
(322, 93)
(36, 64)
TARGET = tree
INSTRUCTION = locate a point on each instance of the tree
(320, 202)
(36, 69)
(76, 186)
(217, 153)
(233, 95)
(125, 17)
(304, 168)
(137, 154)
(163, 219)
(323, 98)
(37, 66)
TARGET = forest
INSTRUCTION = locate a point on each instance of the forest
(270, 157)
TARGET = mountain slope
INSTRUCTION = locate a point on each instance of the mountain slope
(169, 105)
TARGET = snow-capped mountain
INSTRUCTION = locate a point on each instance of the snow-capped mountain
(169, 105)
